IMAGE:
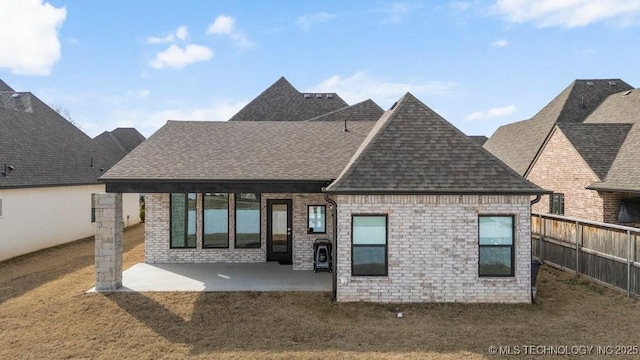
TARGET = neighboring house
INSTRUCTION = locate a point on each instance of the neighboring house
(593, 167)
(583, 146)
(48, 171)
(418, 210)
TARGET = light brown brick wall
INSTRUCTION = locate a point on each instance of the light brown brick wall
(611, 207)
(433, 249)
(561, 169)
(157, 248)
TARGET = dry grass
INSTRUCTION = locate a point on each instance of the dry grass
(45, 313)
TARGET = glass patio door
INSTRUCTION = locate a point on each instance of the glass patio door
(279, 231)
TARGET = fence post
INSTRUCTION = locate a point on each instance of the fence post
(577, 251)
(542, 235)
(628, 262)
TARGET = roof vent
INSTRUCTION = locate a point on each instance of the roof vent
(318, 96)
(15, 95)
(306, 96)
(394, 105)
(627, 92)
(590, 83)
(612, 83)
(329, 96)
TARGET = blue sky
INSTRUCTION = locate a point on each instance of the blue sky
(480, 64)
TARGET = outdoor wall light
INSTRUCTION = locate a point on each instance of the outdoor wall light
(7, 168)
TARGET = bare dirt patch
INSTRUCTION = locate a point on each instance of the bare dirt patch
(45, 313)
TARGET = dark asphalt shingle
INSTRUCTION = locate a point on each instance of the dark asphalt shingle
(597, 144)
(243, 150)
(44, 148)
(518, 143)
(282, 102)
(412, 149)
(363, 111)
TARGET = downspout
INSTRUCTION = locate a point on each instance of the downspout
(536, 200)
(334, 247)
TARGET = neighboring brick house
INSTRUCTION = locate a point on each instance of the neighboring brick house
(418, 210)
(588, 157)
(48, 171)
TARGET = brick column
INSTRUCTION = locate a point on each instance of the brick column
(108, 241)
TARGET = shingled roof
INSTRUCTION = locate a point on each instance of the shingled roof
(282, 102)
(597, 144)
(624, 173)
(363, 111)
(242, 151)
(4, 86)
(412, 149)
(518, 143)
(43, 148)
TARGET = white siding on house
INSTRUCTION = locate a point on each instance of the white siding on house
(433, 249)
(42, 217)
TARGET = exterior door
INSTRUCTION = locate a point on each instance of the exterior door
(279, 231)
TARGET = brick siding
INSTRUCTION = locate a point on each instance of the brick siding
(561, 169)
(157, 249)
(433, 249)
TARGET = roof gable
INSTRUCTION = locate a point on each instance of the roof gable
(282, 102)
(597, 144)
(518, 143)
(412, 149)
(4, 86)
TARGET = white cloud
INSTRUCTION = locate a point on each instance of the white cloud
(181, 33)
(29, 42)
(306, 21)
(569, 13)
(361, 86)
(177, 57)
(143, 93)
(500, 43)
(148, 122)
(491, 113)
(226, 25)
(222, 25)
(395, 12)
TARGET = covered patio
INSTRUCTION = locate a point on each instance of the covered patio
(269, 276)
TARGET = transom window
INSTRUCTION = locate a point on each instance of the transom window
(215, 215)
(183, 220)
(316, 215)
(495, 239)
(369, 245)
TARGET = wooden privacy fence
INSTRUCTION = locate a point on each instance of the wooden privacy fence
(606, 253)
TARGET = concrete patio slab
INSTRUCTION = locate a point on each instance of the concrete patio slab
(269, 276)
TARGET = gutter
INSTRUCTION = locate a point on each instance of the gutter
(334, 248)
(536, 200)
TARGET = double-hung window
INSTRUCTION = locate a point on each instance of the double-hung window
(215, 209)
(369, 245)
(496, 245)
(183, 220)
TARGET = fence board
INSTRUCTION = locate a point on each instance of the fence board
(602, 249)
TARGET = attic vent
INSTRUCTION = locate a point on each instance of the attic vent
(590, 83)
(329, 96)
(612, 83)
(15, 95)
(318, 96)
(627, 92)
(306, 96)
